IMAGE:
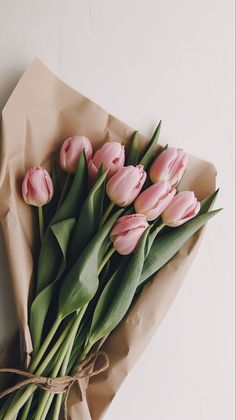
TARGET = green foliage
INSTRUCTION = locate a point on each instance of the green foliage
(73, 202)
(89, 219)
(50, 255)
(52, 258)
(118, 294)
(81, 282)
(208, 202)
(50, 208)
(61, 233)
(150, 151)
(167, 245)
(134, 150)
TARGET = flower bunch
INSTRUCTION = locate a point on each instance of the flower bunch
(100, 234)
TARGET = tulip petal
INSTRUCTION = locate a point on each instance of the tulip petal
(123, 187)
(126, 243)
(111, 155)
(169, 165)
(177, 208)
(127, 231)
(162, 205)
(37, 187)
(128, 222)
(190, 216)
(160, 168)
(71, 151)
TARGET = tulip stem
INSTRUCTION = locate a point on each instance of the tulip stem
(59, 397)
(41, 222)
(27, 407)
(64, 190)
(66, 348)
(65, 335)
(45, 344)
(106, 259)
(106, 213)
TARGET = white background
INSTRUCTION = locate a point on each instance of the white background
(145, 60)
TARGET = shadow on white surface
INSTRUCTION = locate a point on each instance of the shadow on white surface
(7, 86)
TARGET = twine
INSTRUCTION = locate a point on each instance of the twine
(60, 384)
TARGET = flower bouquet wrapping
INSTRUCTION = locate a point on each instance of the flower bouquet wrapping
(100, 230)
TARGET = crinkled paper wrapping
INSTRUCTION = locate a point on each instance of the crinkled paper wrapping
(41, 112)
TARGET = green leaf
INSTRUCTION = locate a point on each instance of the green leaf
(50, 208)
(50, 255)
(151, 150)
(72, 204)
(166, 246)
(107, 297)
(134, 150)
(156, 227)
(103, 250)
(117, 296)
(81, 282)
(61, 233)
(208, 202)
(89, 219)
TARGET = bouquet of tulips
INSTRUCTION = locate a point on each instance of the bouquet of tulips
(108, 220)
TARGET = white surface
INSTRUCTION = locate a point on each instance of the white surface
(145, 60)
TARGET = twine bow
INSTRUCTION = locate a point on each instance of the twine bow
(60, 384)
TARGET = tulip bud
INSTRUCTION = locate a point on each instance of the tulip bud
(71, 151)
(127, 231)
(169, 166)
(154, 200)
(182, 208)
(37, 187)
(111, 156)
(123, 187)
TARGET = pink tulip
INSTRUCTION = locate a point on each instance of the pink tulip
(71, 151)
(169, 166)
(154, 200)
(37, 187)
(182, 208)
(127, 231)
(111, 156)
(123, 187)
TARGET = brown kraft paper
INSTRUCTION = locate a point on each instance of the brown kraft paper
(41, 112)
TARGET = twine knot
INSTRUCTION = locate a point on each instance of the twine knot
(59, 384)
